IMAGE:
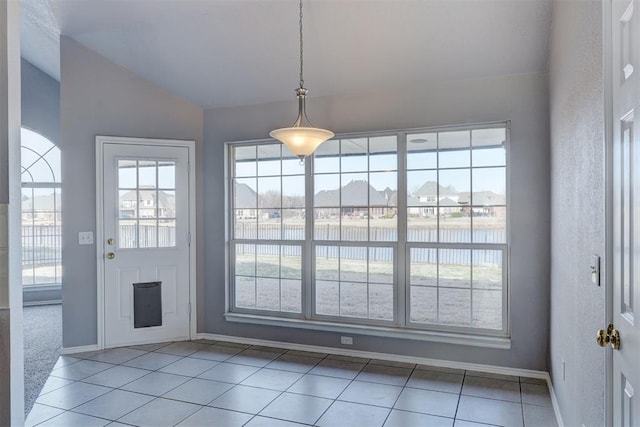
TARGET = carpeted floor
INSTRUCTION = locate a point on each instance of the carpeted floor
(42, 345)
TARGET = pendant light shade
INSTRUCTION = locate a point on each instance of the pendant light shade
(302, 138)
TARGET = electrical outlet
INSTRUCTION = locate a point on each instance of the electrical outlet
(346, 340)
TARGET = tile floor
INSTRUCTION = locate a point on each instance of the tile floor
(205, 383)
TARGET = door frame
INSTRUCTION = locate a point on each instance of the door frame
(101, 141)
(607, 279)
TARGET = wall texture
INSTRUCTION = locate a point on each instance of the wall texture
(577, 209)
(98, 97)
(521, 99)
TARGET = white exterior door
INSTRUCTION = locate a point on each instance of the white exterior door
(626, 210)
(145, 243)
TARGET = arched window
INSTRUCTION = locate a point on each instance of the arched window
(41, 211)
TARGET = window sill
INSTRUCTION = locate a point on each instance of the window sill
(380, 331)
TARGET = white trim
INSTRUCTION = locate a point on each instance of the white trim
(366, 329)
(101, 140)
(554, 402)
(80, 349)
(529, 373)
(47, 302)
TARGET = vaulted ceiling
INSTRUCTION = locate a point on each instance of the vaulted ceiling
(221, 53)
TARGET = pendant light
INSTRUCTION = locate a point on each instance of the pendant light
(302, 138)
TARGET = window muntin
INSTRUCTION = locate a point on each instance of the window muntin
(41, 210)
(445, 253)
(147, 203)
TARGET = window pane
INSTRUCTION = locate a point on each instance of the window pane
(454, 149)
(489, 224)
(127, 174)
(269, 160)
(424, 304)
(327, 191)
(354, 224)
(148, 234)
(267, 294)
(246, 225)
(489, 147)
(353, 155)
(423, 269)
(454, 307)
(422, 188)
(128, 234)
(128, 201)
(355, 189)
(381, 265)
(327, 157)
(487, 309)
(166, 204)
(383, 153)
(380, 302)
(291, 262)
(269, 192)
(245, 196)
(383, 188)
(245, 292)
(327, 263)
(487, 269)
(147, 173)
(422, 224)
(245, 260)
(454, 268)
(293, 192)
(383, 225)
(422, 151)
(326, 224)
(245, 161)
(489, 187)
(291, 296)
(167, 233)
(327, 297)
(147, 203)
(455, 226)
(353, 264)
(167, 174)
(353, 299)
(269, 224)
(267, 261)
(293, 224)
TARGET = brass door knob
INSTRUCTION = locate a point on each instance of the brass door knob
(111, 255)
(610, 336)
(111, 241)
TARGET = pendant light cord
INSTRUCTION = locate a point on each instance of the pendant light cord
(301, 49)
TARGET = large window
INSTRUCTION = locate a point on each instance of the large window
(404, 229)
(41, 211)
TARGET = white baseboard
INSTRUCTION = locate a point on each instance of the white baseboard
(554, 402)
(381, 356)
(80, 349)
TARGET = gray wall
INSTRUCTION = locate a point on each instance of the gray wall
(577, 209)
(40, 102)
(98, 97)
(521, 99)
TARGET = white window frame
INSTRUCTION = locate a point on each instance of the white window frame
(401, 327)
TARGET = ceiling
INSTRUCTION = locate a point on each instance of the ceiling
(222, 53)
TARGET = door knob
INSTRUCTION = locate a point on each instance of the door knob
(610, 336)
(111, 241)
(111, 255)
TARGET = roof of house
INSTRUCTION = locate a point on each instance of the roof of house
(431, 188)
(245, 197)
(483, 198)
(353, 194)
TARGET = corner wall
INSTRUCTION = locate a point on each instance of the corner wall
(520, 98)
(577, 210)
(98, 97)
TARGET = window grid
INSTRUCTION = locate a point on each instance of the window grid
(41, 211)
(471, 245)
